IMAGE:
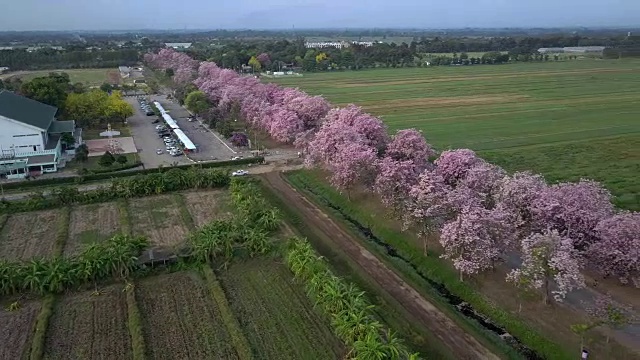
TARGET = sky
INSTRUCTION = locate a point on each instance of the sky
(282, 14)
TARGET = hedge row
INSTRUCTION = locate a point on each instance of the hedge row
(119, 174)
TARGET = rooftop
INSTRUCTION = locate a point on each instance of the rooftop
(25, 110)
(59, 127)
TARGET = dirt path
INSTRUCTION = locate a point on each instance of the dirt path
(461, 344)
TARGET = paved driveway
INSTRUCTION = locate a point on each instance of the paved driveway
(147, 140)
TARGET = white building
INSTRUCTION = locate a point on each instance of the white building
(178, 45)
(125, 71)
(30, 140)
(336, 44)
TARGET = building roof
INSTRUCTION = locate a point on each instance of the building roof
(174, 45)
(25, 110)
(41, 159)
(59, 127)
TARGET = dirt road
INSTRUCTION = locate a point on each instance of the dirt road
(461, 344)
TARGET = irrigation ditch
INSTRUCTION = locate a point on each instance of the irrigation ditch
(456, 302)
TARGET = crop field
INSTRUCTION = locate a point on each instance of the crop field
(275, 314)
(29, 235)
(205, 206)
(158, 218)
(85, 76)
(16, 330)
(566, 120)
(87, 326)
(180, 320)
(91, 224)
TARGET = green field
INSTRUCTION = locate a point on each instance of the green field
(566, 120)
(85, 76)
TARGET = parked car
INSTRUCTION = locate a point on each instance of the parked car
(159, 151)
(150, 112)
(240, 173)
(236, 158)
(155, 121)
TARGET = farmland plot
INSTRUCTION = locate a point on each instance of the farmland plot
(158, 219)
(84, 326)
(29, 235)
(91, 224)
(275, 314)
(16, 330)
(206, 206)
(180, 320)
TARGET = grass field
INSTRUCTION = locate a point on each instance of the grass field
(158, 218)
(86, 76)
(565, 120)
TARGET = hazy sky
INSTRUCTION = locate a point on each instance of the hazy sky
(271, 14)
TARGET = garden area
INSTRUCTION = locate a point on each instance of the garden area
(96, 289)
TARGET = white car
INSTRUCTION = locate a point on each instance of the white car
(240, 173)
(159, 151)
(236, 158)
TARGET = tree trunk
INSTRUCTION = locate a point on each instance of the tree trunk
(546, 291)
(461, 277)
(425, 243)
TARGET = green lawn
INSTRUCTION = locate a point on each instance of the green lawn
(85, 76)
(566, 120)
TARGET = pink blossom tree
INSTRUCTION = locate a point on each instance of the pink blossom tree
(428, 205)
(573, 209)
(475, 239)
(394, 180)
(516, 194)
(372, 128)
(264, 59)
(353, 163)
(409, 144)
(617, 250)
(610, 313)
(328, 141)
(285, 125)
(548, 257)
(453, 165)
(485, 180)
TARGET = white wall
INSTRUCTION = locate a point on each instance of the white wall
(9, 140)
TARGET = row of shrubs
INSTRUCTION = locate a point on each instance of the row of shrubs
(350, 313)
(140, 185)
(115, 257)
(251, 228)
(110, 174)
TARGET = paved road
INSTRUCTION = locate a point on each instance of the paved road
(147, 140)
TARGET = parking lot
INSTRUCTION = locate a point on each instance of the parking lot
(147, 140)
(209, 146)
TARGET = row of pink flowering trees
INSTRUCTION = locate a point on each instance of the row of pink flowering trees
(479, 211)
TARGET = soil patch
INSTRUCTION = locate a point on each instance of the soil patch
(206, 206)
(442, 101)
(158, 218)
(457, 341)
(29, 235)
(91, 224)
(87, 326)
(16, 330)
(482, 77)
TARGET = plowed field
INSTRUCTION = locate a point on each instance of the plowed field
(28, 235)
(158, 218)
(205, 206)
(84, 326)
(91, 224)
(275, 314)
(16, 330)
(180, 320)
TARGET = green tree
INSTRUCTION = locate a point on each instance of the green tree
(106, 159)
(169, 72)
(197, 102)
(255, 64)
(121, 159)
(82, 153)
(47, 90)
(87, 109)
(116, 108)
(106, 87)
